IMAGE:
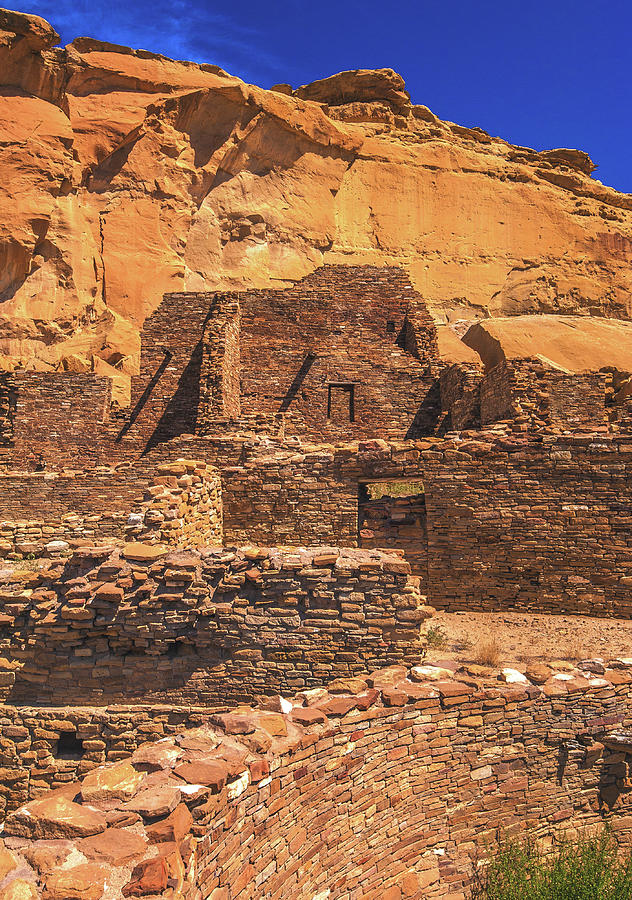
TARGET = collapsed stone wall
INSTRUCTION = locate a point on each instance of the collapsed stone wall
(388, 785)
(535, 395)
(205, 627)
(460, 389)
(182, 507)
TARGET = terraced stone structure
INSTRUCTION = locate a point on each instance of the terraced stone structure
(298, 482)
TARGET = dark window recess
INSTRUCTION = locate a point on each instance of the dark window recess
(173, 649)
(390, 327)
(341, 402)
(69, 746)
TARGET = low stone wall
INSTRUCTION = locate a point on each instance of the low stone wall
(538, 396)
(383, 787)
(514, 521)
(43, 748)
(179, 503)
(205, 627)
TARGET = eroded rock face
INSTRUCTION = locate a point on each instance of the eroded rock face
(126, 174)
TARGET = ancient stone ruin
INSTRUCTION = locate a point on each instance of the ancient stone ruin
(221, 551)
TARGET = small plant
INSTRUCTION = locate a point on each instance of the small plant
(575, 649)
(584, 869)
(488, 652)
(436, 638)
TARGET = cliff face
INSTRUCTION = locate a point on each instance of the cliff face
(126, 174)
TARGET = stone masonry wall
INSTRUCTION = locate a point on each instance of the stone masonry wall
(386, 787)
(513, 521)
(32, 755)
(529, 525)
(212, 627)
(221, 365)
(182, 507)
(342, 329)
(165, 396)
(61, 417)
(8, 399)
(179, 504)
(537, 396)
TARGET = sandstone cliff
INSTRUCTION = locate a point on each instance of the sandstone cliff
(126, 174)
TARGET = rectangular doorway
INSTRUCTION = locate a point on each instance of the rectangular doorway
(392, 514)
(341, 402)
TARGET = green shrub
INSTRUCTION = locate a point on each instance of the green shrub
(585, 869)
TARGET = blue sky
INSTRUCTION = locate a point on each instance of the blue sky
(540, 74)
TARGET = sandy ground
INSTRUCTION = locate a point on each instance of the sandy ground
(504, 638)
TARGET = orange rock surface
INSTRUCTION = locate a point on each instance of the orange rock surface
(126, 174)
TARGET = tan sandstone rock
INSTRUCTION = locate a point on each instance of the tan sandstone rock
(126, 174)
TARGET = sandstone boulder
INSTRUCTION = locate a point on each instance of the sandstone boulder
(54, 816)
(118, 782)
(570, 343)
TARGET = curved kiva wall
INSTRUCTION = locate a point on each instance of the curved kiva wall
(379, 787)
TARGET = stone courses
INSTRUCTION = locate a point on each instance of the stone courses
(181, 505)
(205, 627)
(379, 785)
(59, 416)
(383, 786)
(355, 325)
(533, 394)
(511, 518)
(30, 762)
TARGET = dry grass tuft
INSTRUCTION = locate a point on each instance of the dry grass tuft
(573, 650)
(488, 652)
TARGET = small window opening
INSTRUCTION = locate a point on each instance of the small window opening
(69, 746)
(341, 402)
(173, 649)
(390, 327)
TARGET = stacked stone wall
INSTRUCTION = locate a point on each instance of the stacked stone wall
(460, 387)
(8, 399)
(182, 507)
(165, 397)
(342, 326)
(32, 761)
(205, 628)
(60, 418)
(221, 365)
(391, 786)
(177, 504)
(537, 396)
(512, 521)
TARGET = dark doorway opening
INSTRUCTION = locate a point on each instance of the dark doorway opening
(69, 746)
(392, 515)
(341, 402)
